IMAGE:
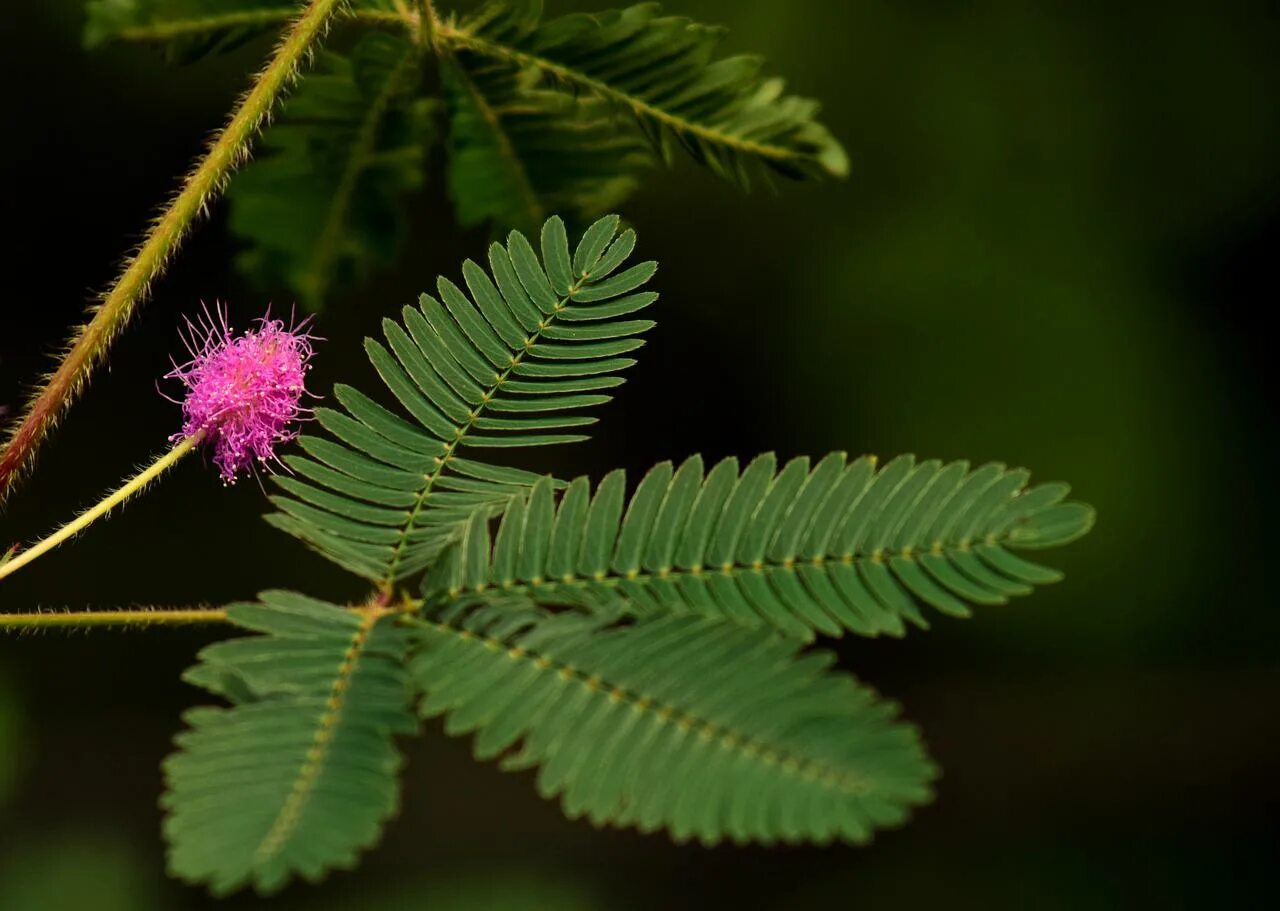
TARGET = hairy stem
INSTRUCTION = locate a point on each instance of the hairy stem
(427, 22)
(228, 149)
(130, 488)
(124, 617)
(156, 616)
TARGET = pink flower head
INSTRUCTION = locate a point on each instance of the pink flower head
(244, 393)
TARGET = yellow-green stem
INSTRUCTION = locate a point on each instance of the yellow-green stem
(427, 24)
(130, 488)
(154, 616)
(226, 151)
(143, 616)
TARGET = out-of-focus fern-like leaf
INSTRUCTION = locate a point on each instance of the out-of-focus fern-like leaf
(322, 203)
(708, 729)
(662, 70)
(300, 773)
(513, 361)
(518, 151)
(190, 29)
(186, 29)
(828, 547)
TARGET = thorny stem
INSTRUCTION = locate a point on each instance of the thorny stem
(130, 488)
(226, 151)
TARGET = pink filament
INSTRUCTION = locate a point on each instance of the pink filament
(244, 393)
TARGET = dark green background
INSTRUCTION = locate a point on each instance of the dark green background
(1056, 250)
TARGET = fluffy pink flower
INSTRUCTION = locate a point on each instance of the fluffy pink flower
(244, 393)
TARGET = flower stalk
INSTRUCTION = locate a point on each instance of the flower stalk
(126, 491)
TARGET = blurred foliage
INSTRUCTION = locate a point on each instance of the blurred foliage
(76, 871)
(322, 204)
(10, 739)
(517, 890)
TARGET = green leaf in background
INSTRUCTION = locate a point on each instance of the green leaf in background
(186, 29)
(513, 363)
(708, 729)
(824, 548)
(10, 752)
(300, 773)
(519, 151)
(78, 869)
(445, 888)
(322, 204)
(662, 71)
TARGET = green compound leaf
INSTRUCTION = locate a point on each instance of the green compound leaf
(662, 71)
(186, 29)
(300, 773)
(710, 730)
(515, 360)
(518, 151)
(322, 204)
(820, 548)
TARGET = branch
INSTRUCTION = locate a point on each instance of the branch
(227, 150)
(427, 23)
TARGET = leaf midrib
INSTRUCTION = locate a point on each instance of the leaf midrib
(286, 821)
(451, 448)
(732, 570)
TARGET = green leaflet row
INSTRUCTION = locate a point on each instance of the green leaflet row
(806, 547)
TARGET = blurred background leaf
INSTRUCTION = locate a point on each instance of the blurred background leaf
(323, 201)
(77, 870)
(11, 738)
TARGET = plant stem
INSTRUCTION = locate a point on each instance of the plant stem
(190, 616)
(427, 24)
(226, 151)
(156, 616)
(130, 488)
